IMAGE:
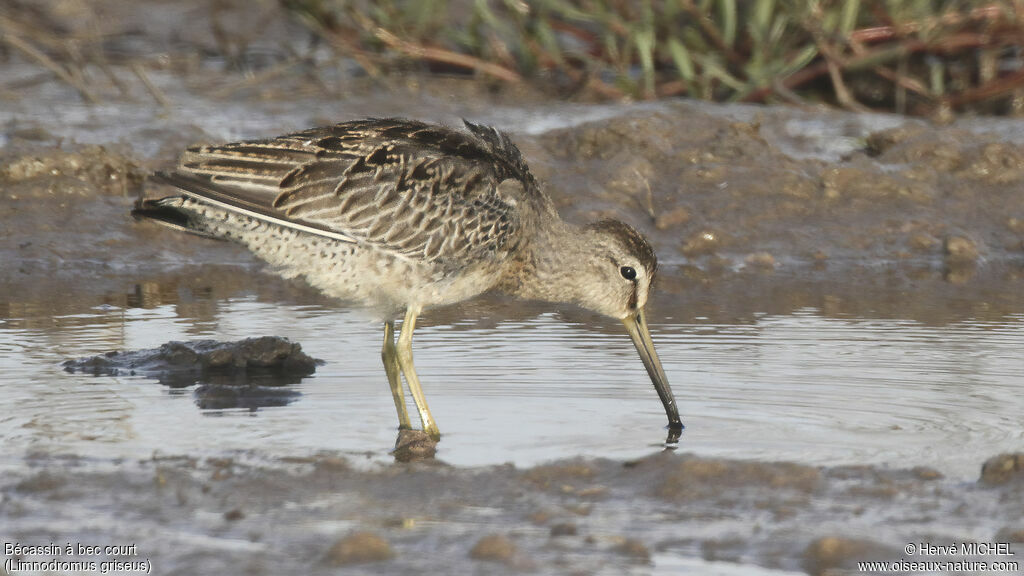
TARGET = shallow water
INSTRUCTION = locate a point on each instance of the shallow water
(515, 382)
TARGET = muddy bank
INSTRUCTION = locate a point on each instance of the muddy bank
(237, 514)
(712, 192)
(719, 194)
(918, 209)
(731, 193)
(251, 373)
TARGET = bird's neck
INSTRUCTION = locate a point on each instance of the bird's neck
(543, 268)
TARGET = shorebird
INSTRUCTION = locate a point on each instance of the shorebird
(400, 215)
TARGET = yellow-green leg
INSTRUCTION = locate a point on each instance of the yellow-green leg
(390, 358)
(404, 353)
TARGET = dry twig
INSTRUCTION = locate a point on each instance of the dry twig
(46, 62)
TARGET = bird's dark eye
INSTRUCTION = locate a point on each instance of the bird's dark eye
(628, 272)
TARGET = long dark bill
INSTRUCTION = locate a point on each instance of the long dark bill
(641, 336)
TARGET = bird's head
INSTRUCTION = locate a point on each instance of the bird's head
(623, 265)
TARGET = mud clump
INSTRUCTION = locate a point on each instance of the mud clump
(760, 260)
(1003, 469)
(696, 478)
(634, 550)
(960, 250)
(234, 515)
(557, 475)
(923, 243)
(495, 548)
(995, 162)
(826, 555)
(42, 482)
(917, 144)
(861, 184)
(563, 529)
(1010, 535)
(86, 171)
(701, 243)
(197, 358)
(672, 218)
(358, 548)
(243, 374)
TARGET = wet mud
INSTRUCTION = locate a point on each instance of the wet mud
(752, 211)
(315, 513)
(181, 364)
(250, 373)
(720, 194)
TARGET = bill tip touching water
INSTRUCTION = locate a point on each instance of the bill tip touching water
(401, 215)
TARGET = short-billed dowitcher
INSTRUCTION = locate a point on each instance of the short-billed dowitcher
(401, 215)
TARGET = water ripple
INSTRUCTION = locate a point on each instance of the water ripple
(798, 387)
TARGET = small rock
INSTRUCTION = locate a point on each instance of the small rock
(725, 550)
(36, 133)
(494, 548)
(701, 243)
(234, 515)
(960, 250)
(579, 509)
(592, 492)
(878, 142)
(635, 549)
(926, 473)
(271, 360)
(42, 482)
(923, 242)
(540, 517)
(563, 529)
(358, 548)
(1002, 469)
(760, 260)
(830, 554)
(675, 217)
(1010, 535)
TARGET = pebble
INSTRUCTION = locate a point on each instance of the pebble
(1002, 469)
(832, 554)
(762, 260)
(635, 549)
(357, 548)
(494, 548)
(563, 529)
(675, 217)
(701, 243)
(1010, 535)
(960, 250)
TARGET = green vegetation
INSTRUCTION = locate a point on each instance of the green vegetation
(909, 56)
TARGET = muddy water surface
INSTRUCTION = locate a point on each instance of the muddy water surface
(523, 384)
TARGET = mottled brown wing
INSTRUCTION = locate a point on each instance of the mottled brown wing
(422, 191)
